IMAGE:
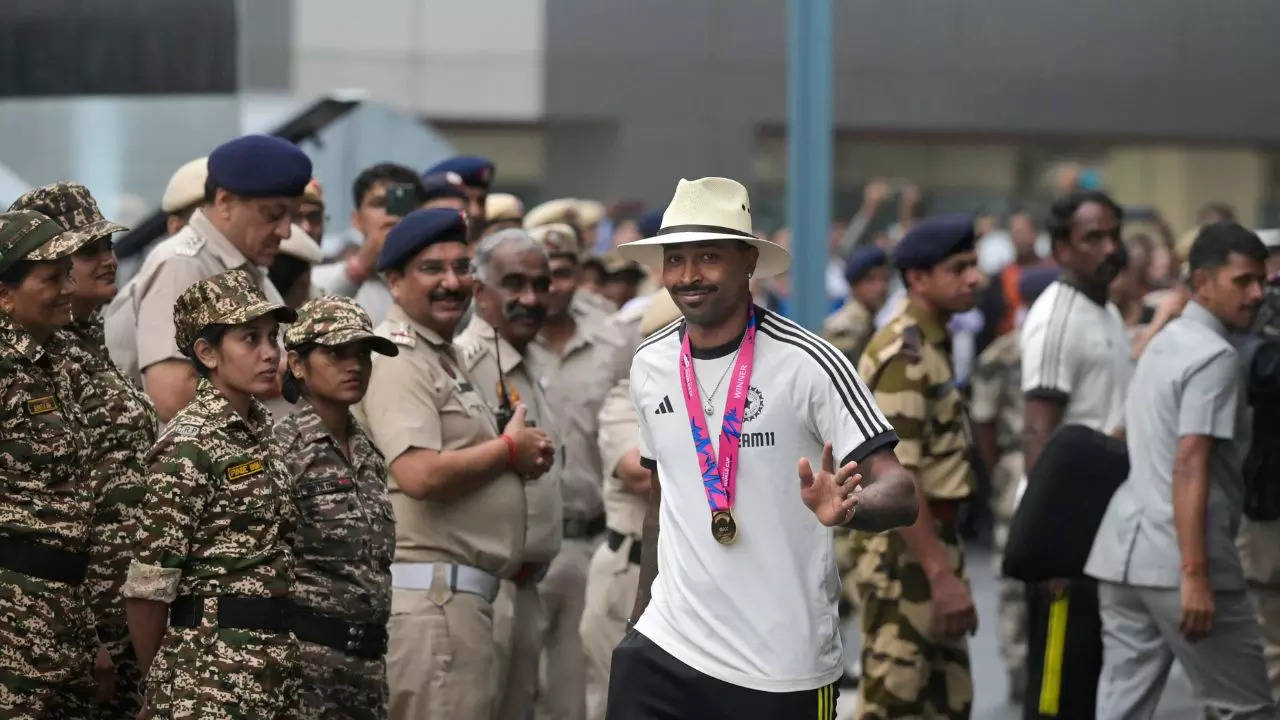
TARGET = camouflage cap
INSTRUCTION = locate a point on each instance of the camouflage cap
(334, 320)
(557, 239)
(229, 298)
(29, 235)
(74, 208)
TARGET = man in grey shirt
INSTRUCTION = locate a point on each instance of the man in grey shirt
(1171, 585)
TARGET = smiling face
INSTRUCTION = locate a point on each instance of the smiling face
(93, 268)
(708, 280)
(41, 302)
(434, 287)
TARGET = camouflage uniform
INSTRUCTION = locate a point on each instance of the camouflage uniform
(345, 540)
(997, 398)
(46, 627)
(119, 427)
(217, 523)
(849, 328)
(907, 669)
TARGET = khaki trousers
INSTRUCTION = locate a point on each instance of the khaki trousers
(441, 661)
(611, 594)
(518, 625)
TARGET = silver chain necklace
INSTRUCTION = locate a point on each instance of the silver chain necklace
(709, 406)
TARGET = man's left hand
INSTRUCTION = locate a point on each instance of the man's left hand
(832, 495)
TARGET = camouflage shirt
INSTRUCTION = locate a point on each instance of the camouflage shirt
(346, 529)
(43, 493)
(908, 366)
(849, 329)
(219, 517)
(119, 427)
(997, 390)
(1267, 324)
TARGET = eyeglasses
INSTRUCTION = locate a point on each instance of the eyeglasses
(459, 268)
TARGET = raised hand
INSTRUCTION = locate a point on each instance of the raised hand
(831, 494)
(534, 453)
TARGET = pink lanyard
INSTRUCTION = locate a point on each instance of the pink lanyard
(719, 478)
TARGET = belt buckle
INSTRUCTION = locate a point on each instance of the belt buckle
(355, 636)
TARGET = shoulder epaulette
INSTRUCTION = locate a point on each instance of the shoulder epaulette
(190, 245)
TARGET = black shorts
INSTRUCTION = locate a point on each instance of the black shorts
(645, 683)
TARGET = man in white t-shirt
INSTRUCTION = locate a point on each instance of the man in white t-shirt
(1075, 370)
(734, 402)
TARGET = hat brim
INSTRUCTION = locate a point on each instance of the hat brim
(79, 237)
(253, 312)
(376, 343)
(774, 259)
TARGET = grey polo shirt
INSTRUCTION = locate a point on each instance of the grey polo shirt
(1187, 382)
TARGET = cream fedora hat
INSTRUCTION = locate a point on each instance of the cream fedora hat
(710, 208)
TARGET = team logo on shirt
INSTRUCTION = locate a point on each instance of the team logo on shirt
(754, 406)
(664, 407)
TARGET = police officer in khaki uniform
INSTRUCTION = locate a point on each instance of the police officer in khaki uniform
(915, 603)
(511, 303)
(252, 194)
(614, 571)
(562, 213)
(582, 363)
(456, 480)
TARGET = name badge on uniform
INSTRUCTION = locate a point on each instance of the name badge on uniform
(463, 386)
(42, 405)
(245, 469)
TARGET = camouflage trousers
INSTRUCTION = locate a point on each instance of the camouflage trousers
(208, 673)
(1011, 598)
(908, 671)
(47, 647)
(338, 686)
(108, 564)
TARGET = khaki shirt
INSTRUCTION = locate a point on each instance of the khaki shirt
(544, 523)
(139, 321)
(908, 366)
(624, 511)
(423, 398)
(576, 383)
(997, 390)
(849, 329)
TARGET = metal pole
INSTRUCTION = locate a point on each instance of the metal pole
(808, 155)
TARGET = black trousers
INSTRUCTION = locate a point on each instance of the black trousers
(1064, 652)
(645, 683)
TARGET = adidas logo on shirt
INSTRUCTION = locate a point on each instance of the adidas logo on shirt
(664, 407)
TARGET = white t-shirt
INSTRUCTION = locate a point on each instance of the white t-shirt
(1077, 350)
(760, 613)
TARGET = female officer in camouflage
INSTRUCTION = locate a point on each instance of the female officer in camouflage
(212, 553)
(46, 627)
(119, 427)
(346, 529)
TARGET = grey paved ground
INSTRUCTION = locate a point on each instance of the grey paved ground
(990, 691)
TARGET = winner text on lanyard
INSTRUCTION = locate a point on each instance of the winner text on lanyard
(720, 468)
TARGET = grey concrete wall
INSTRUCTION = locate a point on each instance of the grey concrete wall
(684, 85)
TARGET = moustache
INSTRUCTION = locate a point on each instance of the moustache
(447, 296)
(534, 313)
(692, 287)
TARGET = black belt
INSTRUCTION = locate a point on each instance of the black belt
(273, 615)
(42, 561)
(366, 640)
(580, 529)
(615, 541)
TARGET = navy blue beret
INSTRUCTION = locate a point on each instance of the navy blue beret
(417, 230)
(475, 171)
(933, 240)
(1033, 280)
(650, 223)
(260, 166)
(443, 185)
(862, 260)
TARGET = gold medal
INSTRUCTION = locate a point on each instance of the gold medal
(723, 527)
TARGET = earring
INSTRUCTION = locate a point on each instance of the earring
(749, 274)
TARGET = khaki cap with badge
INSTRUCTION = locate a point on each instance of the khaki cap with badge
(229, 298)
(186, 186)
(558, 239)
(561, 210)
(503, 207)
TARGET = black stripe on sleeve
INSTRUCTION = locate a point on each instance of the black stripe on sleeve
(659, 335)
(836, 382)
(884, 440)
(1054, 334)
(837, 366)
(648, 463)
